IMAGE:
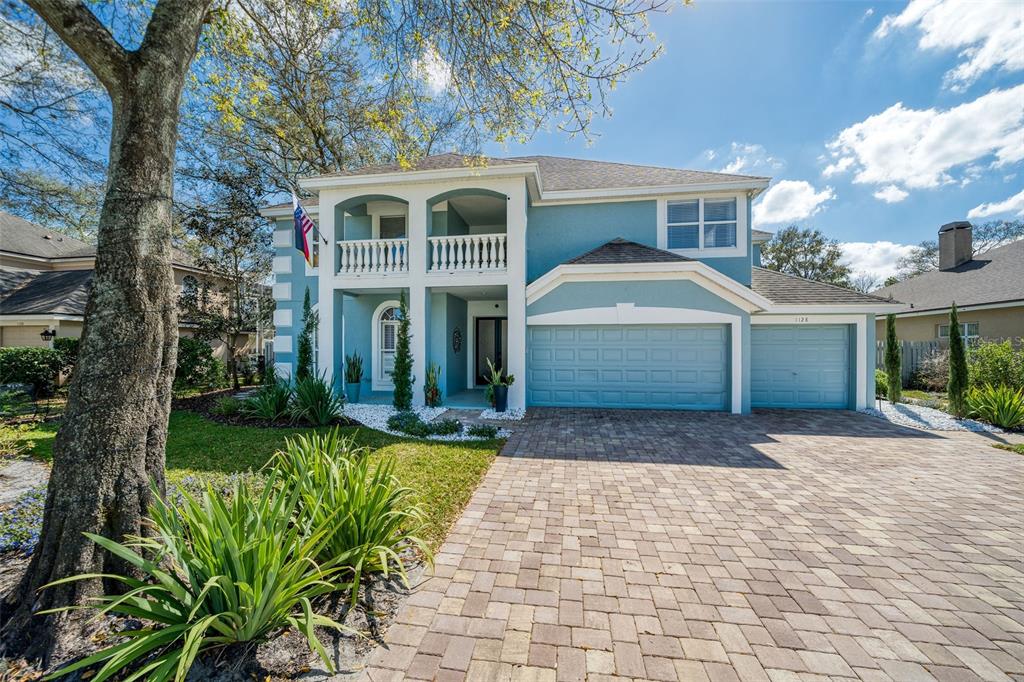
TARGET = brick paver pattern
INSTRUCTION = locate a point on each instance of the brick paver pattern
(695, 546)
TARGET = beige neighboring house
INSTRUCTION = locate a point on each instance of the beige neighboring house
(988, 291)
(44, 284)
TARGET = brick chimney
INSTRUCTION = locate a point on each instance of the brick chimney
(954, 244)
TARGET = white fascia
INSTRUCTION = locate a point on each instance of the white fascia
(37, 319)
(406, 177)
(700, 273)
(960, 308)
(755, 187)
(880, 308)
(287, 211)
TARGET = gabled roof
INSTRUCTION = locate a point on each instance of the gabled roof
(620, 250)
(58, 292)
(19, 236)
(783, 289)
(760, 235)
(560, 173)
(996, 276)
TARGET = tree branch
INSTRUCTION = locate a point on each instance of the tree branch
(77, 26)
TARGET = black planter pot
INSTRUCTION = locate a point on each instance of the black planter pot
(500, 398)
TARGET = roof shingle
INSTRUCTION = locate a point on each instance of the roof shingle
(620, 250)
(781, 288)
(58, 292)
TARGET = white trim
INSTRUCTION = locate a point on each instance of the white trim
(834, 308)
(282, 344)
(287, 211)
(282, 291)
(628, 313)
(282, 265)
(960, 309)
(742, 228)
(36, 320)
(695, 271)
(862, 399)
(282, 317)
(377, 382)
(646, 192)
(407, 177)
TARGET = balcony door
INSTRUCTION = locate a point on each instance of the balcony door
(491, 344)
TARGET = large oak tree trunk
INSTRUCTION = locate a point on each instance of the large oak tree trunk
(109, 451)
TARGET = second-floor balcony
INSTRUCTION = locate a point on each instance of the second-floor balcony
(456, 253)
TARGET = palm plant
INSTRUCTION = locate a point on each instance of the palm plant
(218, 571)
(376, 516)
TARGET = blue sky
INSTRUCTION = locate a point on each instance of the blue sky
(878, 121)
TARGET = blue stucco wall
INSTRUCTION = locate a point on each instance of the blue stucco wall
(358, 311)
(661, 294)
(298, 280)
(755, 255)
(446, 313)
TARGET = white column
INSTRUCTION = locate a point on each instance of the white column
(515, 256)
(325, 293)
(417, 233)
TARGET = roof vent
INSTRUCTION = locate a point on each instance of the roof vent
(955, 246)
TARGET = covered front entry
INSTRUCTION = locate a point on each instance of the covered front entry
(800, 366)
(633, 366)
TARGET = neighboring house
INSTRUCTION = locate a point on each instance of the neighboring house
(596, 284)
(988, 291)
(45, 278)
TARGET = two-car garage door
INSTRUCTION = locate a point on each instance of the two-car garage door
(656, 366)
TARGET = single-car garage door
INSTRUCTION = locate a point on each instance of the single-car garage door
(659, 366)
(798, 366)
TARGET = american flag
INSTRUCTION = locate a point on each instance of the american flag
(303, 226)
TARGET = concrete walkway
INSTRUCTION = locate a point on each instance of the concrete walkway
(777, 546)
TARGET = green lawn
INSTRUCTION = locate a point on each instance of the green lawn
(444, 474)
(1018, 447)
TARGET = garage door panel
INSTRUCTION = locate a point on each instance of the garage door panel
(678, 366)
(800, 366)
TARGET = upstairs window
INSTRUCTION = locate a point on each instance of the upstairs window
(392, 227)
(701, 224)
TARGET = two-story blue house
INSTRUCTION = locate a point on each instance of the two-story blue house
(596, 284)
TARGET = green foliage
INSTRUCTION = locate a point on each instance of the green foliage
(881, 383)
(68, 348)
(270, 402)
(431, 387)
(196, 364)
(37, 367)
(315, 402)
(996, 363)
(497, 376)
(999, 405)
(370, 515)
(218, 571)
(893, 360)
(227, 406)
(304, 350)
(410, 423)
(12, 439)
(353, 368)
(401, 373)
(485, 431)
(956, 388)
(806, 253)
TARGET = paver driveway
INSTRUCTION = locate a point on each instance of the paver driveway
(781, 546)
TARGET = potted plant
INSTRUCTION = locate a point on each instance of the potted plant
(497, 387)
(353, 376)
(431, 386)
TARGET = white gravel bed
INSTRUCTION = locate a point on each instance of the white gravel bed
(376, 417)
(927, 418)
(512, 415)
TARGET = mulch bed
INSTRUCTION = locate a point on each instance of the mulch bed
(204, 404)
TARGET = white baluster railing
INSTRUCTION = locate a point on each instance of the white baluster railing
(373, 256)
(467, 252)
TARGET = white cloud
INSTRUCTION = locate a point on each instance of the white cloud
(987, 35)
(1014, 204)
(790, 200)
(891, 194)
(432, 69)
(746, 158)
(921, 148)
(869, 12)
(877, 259)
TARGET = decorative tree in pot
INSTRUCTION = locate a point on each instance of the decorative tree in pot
(353, 376)
(497, 387)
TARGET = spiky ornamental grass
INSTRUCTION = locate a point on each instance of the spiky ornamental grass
(223, 571)
(376, 517)
(315, 401)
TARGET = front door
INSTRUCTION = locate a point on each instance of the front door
(491, 344)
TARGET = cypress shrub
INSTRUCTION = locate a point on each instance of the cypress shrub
(401, 373)
(893, 361)
(304, 350)
(957, 386)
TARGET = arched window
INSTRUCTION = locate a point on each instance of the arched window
(385, 341)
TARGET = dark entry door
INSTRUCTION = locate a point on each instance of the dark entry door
(492, 344)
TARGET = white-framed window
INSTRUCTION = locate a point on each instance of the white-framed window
(968, 330)
(714, 224)
(392, 227)
(385, 342)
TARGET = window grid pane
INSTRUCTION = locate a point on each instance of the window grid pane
(683, 212)
(719, 210)
(683, 237)
(719, 235)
